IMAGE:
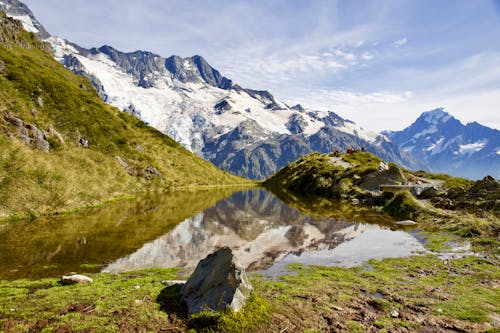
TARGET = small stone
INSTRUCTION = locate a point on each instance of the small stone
(12, 310)
(394, 314)
(440, 310)
(76, 278)
(406, 222)
(172, 282)
(355, 201)
(137, 287)
(122, 161)
(138, 301)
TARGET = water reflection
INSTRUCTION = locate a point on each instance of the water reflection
(265, 233)
(180, 229)
(85, 241)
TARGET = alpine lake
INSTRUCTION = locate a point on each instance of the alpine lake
(178, 229)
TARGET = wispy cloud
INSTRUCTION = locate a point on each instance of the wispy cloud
(357, 57)
(401, 42)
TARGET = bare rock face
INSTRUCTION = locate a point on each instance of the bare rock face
(217, 283)
(39, 139)
(391, 176)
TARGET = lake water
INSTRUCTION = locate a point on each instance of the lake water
(179, 229)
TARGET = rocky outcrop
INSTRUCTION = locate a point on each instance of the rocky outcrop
(217, 283)
(483, 195)
(39, 140)
(392, 176)
(30, 134)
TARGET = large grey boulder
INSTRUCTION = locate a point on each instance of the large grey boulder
(217, 283)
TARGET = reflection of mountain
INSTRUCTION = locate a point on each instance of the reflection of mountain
(52, 246)
(255, 224)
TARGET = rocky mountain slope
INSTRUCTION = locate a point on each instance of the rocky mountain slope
(62, 147)
(245, 131)
(446, 145)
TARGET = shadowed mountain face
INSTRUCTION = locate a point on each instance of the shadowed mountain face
(446, 145)
(247, 132)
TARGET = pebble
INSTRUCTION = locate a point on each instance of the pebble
(394, 314)
(406, 222)
(137, 287)
(172, 282)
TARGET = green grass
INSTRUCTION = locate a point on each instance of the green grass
(449, 181)
(34, 183)
(405, 206)
(316, 174)
(423, 290)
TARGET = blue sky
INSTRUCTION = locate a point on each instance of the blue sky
(379, 63)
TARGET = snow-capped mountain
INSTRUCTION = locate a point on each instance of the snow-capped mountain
(444, 144)
(245, 131)
(21, 12)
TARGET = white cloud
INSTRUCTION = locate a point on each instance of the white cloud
(367, 56)
(400, 42)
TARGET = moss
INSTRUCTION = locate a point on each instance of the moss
(317, 174)
(405, 206)
(459, 292)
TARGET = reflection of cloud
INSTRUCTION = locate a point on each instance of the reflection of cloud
(401, 42)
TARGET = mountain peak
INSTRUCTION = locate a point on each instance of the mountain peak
(435, 116)
(21, 12)
(196, 69)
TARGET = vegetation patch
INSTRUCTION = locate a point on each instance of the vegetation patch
(399, 295)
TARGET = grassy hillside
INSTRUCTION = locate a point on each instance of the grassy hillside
(61, 147)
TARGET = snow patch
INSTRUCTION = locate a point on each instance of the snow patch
(28, 24)
(437, 116)
(61, 47)
(471, 148)
(351, 128)
(430, 130)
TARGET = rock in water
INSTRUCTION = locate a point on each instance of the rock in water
(406, 222)
(218, 282)
(76, 278)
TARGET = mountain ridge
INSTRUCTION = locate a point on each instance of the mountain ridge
(195, 104)
(446, 145)
(63, 148)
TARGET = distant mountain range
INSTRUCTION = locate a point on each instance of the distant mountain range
(444, 144)
(247, 132)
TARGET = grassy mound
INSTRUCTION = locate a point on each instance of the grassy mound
(325, 175)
